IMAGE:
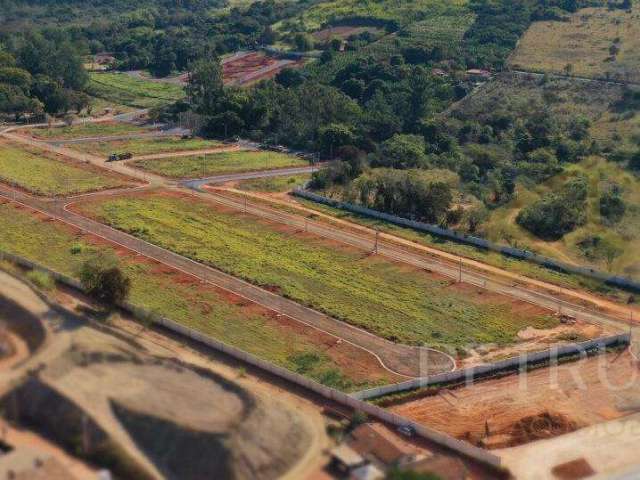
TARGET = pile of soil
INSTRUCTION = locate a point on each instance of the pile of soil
(540, 426)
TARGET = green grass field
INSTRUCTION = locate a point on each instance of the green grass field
(86, 130)
(585, 43)
(172, 295)
(442, 28)
(401, 11)
(273, 184)
(219, 163)
(146, 146)
(123, 89)
(36, 172)
(395, 302)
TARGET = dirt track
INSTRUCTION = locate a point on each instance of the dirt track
(114, 379)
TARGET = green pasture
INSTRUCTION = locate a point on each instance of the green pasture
(55, 246)
(219, 163)
(146, 146)
(395, 302)
(124, 89)
(39, 174)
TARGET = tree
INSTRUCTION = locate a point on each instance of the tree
(403, 151)
(568, 69)
(474, 217)
(303, 42)
(634, 161)
(333, 136)
(290, 77)
(103, 280)
(610, 252)
(612, 206)
(556, 214)
(205, 87)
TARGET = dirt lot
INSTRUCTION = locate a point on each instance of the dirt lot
(253, 67)
(541, 404)
(342, 32)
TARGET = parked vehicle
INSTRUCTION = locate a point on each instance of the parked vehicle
(114, 157)
(407, 430)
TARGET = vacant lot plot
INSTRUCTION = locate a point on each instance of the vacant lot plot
(249, 68)
(83, 130)
(219, 163)
(120, 88)
(146, 146)
(396, 302)
(596, 43)
(403, 11)
(183, 299)
(273, 184)
(543, 403)
(43, 173)
(343, 32)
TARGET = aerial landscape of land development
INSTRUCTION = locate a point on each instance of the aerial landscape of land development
(319, 239)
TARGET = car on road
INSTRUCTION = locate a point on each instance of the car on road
(407, 430)
(114, 157)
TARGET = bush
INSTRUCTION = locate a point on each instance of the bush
(612, 206)
(41, 279)
(103, 280)
(555, 215)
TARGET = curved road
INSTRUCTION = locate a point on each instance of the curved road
(404, 360)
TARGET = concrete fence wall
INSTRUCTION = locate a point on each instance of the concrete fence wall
(615, 280)
(332, 394)
(514, 363)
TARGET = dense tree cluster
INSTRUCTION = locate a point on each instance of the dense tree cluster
(41, 73)
(500, 23)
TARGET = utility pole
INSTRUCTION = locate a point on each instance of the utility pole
(460, 272)
(85, 434)
(245, 204)
(375, 245)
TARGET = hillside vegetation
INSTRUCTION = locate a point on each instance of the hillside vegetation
(593, 42)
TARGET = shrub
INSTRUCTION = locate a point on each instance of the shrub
(612, 206)
(555, 215)
(103, 280)
(41, 279)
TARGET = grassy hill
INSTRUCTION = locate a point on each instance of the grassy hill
(611, 129)
(595, 43)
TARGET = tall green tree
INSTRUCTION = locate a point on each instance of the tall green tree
(205, 87)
